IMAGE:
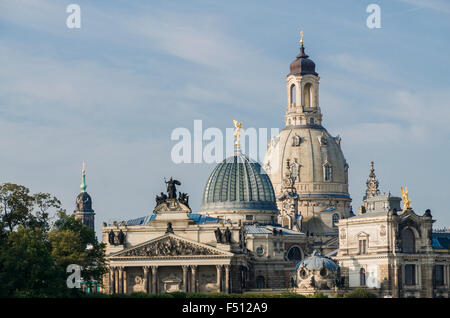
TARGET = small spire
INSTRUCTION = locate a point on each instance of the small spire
(83, 185)
(372, 183)
(301, 38)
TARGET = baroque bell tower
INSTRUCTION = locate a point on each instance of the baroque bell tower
(302, 85)
(84, 211)
(305, 163)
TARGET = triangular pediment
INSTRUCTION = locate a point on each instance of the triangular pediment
(170, 245)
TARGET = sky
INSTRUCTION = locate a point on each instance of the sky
(111, 92)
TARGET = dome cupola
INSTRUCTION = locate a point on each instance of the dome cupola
(239, 188)
(302, 65)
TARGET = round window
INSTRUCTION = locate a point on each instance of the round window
(323, 272)
(260, 251)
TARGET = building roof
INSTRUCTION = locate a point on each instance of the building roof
(441, 240)
(238, 183)
(302, 65)
(317, 261)
(197, 218)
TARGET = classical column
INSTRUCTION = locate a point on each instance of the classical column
(116, 280)
(185, 277)
(111, 280)
(219, 277)
(125, 285)
(145, 279)
(120, 280)
(193, 278)
(227, 279)
(154, 279)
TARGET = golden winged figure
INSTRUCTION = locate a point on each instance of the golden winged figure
(406, 200)
(237, 131)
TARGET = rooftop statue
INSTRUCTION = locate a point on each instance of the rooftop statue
(171, 188)
(406, 200)
(237, 132)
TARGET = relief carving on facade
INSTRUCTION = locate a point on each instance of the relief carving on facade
(168, 247)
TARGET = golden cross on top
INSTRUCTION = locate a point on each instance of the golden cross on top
(301, 37)
(84, 168)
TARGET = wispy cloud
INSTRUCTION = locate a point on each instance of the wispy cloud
(438, 5)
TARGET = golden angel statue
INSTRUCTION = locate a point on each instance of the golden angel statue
(406, 200)
(237, 132)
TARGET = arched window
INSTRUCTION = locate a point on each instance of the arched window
(308, 94)
(335, 219)
(293, 95)
(311, 121)
(362, 277)
(408, 241)
(260, 282)
(294, 254)
(327, 172)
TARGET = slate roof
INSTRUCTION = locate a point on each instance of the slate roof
(441, 241)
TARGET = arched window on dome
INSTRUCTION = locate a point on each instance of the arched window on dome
(308, 95)
(335, 219)
(293, 95)
(327, 172)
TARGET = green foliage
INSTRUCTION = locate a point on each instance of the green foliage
(26, 266)
(360, 293)
(73, 243)
(33, 258)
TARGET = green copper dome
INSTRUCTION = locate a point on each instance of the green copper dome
(238, 183)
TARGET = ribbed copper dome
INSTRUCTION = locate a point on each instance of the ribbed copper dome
(238, 183)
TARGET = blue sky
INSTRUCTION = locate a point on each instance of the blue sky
(111, 92)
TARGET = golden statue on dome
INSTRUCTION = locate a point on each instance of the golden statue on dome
(406, 200)
(237, 132)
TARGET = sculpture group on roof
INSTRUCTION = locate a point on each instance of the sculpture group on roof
(172, 193)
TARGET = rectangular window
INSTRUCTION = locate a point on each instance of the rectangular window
(362, 246)
(410, 274)
(249, 217)
(439, 275)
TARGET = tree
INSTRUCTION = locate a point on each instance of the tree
(34, 253)
(26, 266)
(74, 243)
(18, 207)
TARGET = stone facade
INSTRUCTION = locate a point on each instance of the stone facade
(392, 252)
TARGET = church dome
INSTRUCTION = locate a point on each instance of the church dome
(236, 184)
(302, 65)
(320, 164)
(316, 262)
